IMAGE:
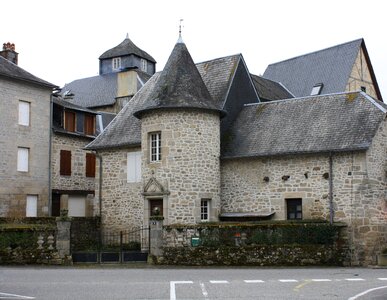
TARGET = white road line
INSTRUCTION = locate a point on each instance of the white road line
(14, 296)
(354, 279)
(287, 280)
(366, 292)
(253, 281)
(204, 291)
(382, 278)
(218, 281)
(321, 280)
(172, 288)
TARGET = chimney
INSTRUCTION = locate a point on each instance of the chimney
(9, 52)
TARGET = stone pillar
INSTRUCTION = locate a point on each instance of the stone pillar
(63, 238)
(156, 237)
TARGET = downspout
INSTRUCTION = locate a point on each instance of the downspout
(331, 211)
(50, 159)
(100, 203)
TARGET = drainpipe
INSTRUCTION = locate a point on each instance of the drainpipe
(331, 211)
(50, 159)
(100, 202)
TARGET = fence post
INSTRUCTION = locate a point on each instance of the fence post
(63, 225)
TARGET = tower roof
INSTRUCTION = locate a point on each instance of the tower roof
(179, 85)
(127, 47)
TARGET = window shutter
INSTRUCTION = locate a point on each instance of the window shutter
(89, 124)
(24, 113)
(90, 165)
(32, 206)
(134, 167)
(22, 159)
(65, 162)
(69, 121)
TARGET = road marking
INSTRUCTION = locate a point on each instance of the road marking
(354, 279)
(218, 281)
(172, 287)
(253, 281)
(300, 286)
(204, 291)
(321, 280)
(287, 280)
(366, 292)
(14, 296)
(382, 278)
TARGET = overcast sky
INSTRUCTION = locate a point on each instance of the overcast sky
(60, 41)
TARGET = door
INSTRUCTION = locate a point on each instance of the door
(32, 206)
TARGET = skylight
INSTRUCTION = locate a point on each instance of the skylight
(316, 90)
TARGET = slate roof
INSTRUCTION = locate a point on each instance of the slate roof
(327, 123)
(69, 105)
(11, 70)
(269, 90)
(127, 47)
(179, 85)
(217, 74)
(331, 66)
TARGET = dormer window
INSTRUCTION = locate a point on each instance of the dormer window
(316, 90)
(116, 63)
(144, 65)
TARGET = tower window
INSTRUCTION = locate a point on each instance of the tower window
(205, 209)
(155, 146)
(116, 63)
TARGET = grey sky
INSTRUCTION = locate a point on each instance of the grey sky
(61, 41)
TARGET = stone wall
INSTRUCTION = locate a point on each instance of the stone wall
(78, 179)
(15, 185)
(122, 202)
(359, 191)
(189, 169)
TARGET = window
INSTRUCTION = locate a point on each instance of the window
(155, 146)
(144, 65)
(69, 121)
(363, 89)
(294, 209)
(156, 207)
(90, 165)
(32, 206)
(89, 126)
(316, 90)
(134, 167)
(24, 113)
(116, 63)
(22, 159)
(65, 162)
(205, 209)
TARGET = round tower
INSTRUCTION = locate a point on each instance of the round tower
(180, 140)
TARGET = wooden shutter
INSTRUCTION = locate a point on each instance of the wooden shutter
(89, 124)
(134, 167)
(69, 121)
(90, 165)
(65, 162)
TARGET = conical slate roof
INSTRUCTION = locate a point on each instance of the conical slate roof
(127, 47)
(179, 85)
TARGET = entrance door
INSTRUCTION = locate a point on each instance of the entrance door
(156, 207)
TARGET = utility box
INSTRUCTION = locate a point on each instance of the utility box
(195, 241)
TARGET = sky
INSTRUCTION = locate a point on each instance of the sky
(61, 40)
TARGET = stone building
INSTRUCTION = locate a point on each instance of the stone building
(197, 144)
(342, 68)
(24, 139)
(73, 168)
(123, 70)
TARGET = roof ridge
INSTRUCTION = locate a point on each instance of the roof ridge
(317, 51)
(206, 61)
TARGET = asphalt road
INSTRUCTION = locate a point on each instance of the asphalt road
(142, 282)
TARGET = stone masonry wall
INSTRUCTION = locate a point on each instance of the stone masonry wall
(359, 191)
(122, 202)
(15, 185)
(189, 168)
(78, 179)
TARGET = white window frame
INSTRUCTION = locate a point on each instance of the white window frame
(134, 166)
(205, 210)
(23, 159)
(116, 63)
(144, 65)
(32, 206)
(155, 146)
(24, 113)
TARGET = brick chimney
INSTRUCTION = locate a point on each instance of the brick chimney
(9, 52)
